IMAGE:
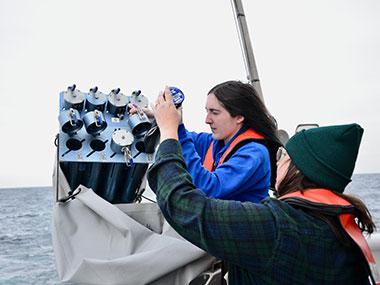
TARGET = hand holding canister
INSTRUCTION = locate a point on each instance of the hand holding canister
(152, 136)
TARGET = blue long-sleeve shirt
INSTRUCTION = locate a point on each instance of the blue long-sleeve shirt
(244, 177)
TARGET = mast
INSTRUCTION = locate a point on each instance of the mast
(246, 46)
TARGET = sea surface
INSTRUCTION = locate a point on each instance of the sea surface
(26, 253)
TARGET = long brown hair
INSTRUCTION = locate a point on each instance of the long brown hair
(240, 98)
(294, 181)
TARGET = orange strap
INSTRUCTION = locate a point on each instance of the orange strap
(208, 163)
(327, 197)
(323, 196)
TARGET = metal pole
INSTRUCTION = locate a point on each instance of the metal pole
(246, 46)
(57, 170)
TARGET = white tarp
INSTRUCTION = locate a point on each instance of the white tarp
(96, 242)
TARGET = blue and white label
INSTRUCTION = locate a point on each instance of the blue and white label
(177, 95)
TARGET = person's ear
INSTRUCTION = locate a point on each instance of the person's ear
(239, 119)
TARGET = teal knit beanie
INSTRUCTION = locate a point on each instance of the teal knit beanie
(326, 155)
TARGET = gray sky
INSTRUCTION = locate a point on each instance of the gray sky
(318, 62)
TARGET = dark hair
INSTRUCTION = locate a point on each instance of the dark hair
(294, 181)
(240, 98)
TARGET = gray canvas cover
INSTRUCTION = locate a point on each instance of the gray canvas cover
(96, 242)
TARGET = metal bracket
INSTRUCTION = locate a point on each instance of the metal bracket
(71, 195)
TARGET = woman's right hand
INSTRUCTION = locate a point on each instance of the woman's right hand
(149, 113)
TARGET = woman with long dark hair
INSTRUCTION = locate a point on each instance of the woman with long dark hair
(295, 182)
(242, 134)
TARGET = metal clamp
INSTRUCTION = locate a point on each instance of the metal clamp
(140, 112)
(127, 156)
(73, 117)
(98, 118)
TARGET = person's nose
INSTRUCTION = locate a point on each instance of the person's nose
(208, 119)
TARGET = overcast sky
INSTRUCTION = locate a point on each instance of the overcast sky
(318, 62)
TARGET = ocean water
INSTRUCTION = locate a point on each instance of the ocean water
(26, 253)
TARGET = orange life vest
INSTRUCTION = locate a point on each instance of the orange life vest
(249, 134)
(312, 198)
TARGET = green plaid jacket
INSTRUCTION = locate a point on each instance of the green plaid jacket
(266, 243)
